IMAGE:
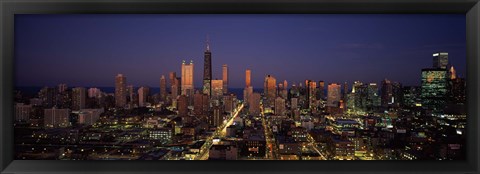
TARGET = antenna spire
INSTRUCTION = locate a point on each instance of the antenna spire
(208, 43)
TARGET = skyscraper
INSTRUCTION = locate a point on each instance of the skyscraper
(387, 93)
(201, 104)
(163, 88)
(143, 93)
(440, 60)
(311, 94)
(225, 78)
(248, 91)
(217, 89)
(79, 95)
(270, 90)
(434, 89)
(207, 70)
(334, 94)
(120, 90)
(254, 104)
(321, 90)
(279, 106)
(182, 106)
(248, 78)
(187, 79)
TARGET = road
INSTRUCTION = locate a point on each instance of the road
(220, 132)
(313, 144)
(272, 149)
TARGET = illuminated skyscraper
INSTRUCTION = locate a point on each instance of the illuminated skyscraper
(453, 73)
(434, 89)
(79, 95)
(321, 90)
(279, 106)
(254, 104)
(270, 90)
(143, 93)
(187, 79)
(373, 99)
(217, 89)
(182, 103)
(248, 77)
(225, 78)
(248, 91)
(207, 70)
(201, 104)
(163, 88)
(440, 60)
(387, 93)
(311, 92)
(334, 94)
(284, 92)
(120, 90)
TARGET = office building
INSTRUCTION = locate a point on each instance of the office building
(207, 70)
(225, 78)
(334, 95)
(270, 90)
(79, 96)
(54, 118)
(217, 89)
(187, 79)
(440, 60)
(163, 88)
(143, 94)
(120, 91)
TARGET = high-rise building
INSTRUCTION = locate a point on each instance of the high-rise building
(225, 78)
(254, 104)
(182, 103)
(229, 103)
(452, 73)
(187, 79)
(321, 90)
(163, 88)
(120, 90)
(62, 88)
(284, 92)
(23, 112)
(143, 94)
(434, 89)
(217, 89)
(456, 92)
(94, 93)
(270, 90)
(345, 92)
(411, 96)
(248, 76)
(334, 95)
(440, 60)
(207, 70)
(201, 104)
(279, 106)
(294, 103)
(217, 116)
(248, 91)
(373, 98)
(79, 95)
(54, 118)
(387, 93)
(311, 92)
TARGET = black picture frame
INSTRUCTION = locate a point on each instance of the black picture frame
(8, 9)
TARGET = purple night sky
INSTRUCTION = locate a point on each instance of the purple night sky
(89, 50)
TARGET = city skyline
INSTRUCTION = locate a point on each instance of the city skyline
(317, 64)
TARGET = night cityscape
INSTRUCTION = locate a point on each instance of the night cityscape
(336, 105)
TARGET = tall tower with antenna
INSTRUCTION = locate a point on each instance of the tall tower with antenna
(207, 70)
